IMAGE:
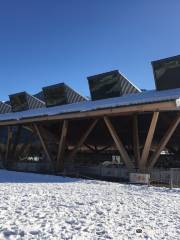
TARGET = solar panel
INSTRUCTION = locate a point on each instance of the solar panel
(167, 73)
(23, 101)
(110, 84)
(60, 94)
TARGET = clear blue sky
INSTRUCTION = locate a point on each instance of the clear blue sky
(43, 42)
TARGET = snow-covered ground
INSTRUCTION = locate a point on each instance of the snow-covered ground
(36, 206)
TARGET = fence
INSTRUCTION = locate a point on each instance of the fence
(160, 177)
(169, 177)
(100, 172)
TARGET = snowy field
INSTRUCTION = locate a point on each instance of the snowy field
(36, 206)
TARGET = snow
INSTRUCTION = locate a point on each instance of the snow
(36, 206)
(150, 96)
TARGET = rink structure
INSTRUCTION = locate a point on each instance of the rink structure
(121, 127)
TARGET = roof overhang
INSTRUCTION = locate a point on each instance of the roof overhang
(173, 105)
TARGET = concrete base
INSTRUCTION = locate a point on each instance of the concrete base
(139, 178)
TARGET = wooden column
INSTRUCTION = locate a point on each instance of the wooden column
(148, 142)
(82, 140)
(164, 141)
(128, 162)
(61, 147)
(136, 147)
(43, 143)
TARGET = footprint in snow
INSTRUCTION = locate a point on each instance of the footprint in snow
(79, 203)
(34, 232)
(8, 233)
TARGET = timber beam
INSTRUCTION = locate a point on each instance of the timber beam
(117, 111)
(8, 144)
(148, 142)
(61, 147)
(44, 146)
(163, 142)
(136, 146)
(125, 157)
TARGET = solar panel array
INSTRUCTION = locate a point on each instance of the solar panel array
(102, 86)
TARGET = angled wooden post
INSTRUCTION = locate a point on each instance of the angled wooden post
(136, 147)
(163, 142)
(148, 142)
(128, 162)
(61, 147)
(43, 144)
(82, 140)
(8, 144)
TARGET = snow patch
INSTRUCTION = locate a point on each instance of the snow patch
(36, 206)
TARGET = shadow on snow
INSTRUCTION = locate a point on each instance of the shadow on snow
(22, 177)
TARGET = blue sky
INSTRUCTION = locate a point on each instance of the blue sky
(43, 42)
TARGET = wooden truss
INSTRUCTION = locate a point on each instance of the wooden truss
(147, 163)
(163, 142)
(38, 130)
(128, 162)
(82, 140)
(144, 161)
